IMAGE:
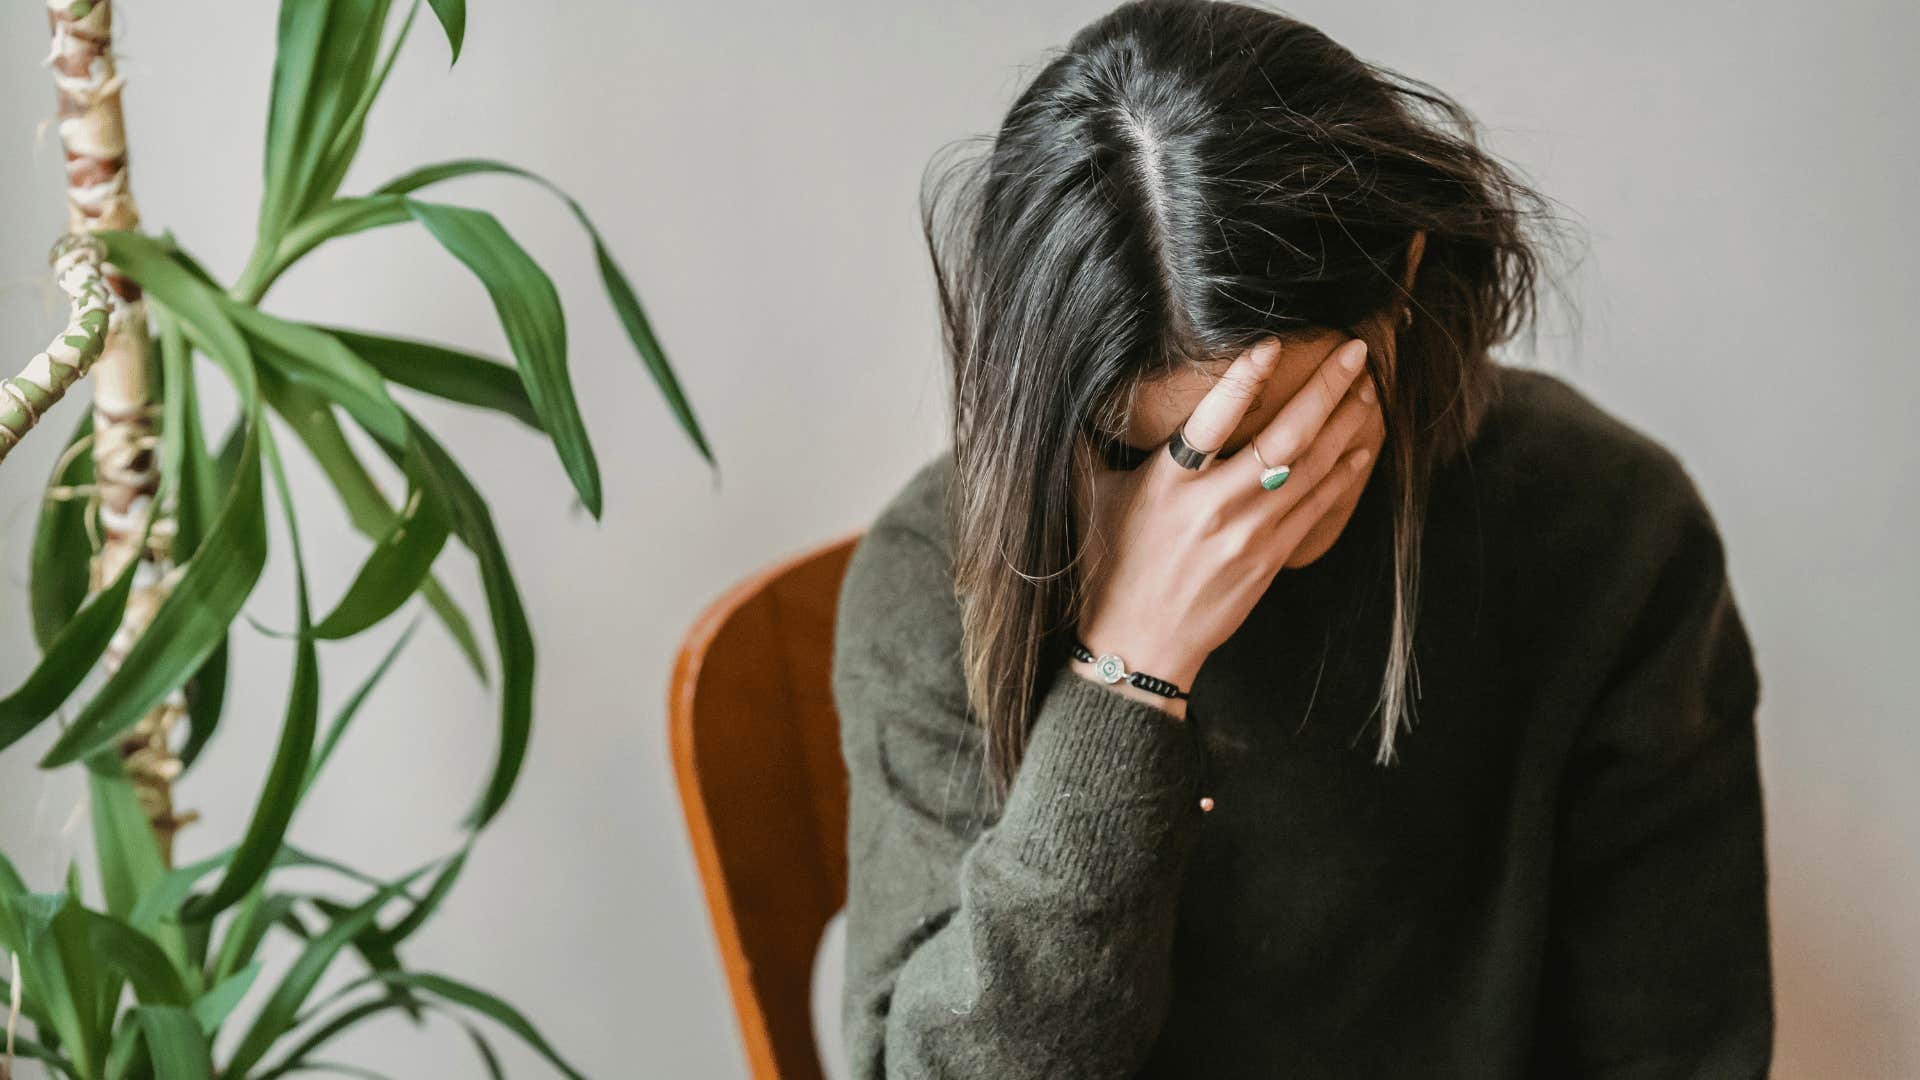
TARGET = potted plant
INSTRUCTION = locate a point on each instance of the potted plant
(153, 535)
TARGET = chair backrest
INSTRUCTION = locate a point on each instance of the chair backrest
(756, 753)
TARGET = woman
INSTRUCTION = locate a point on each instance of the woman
(1219, 301)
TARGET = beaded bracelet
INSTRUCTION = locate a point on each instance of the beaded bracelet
(1112, 669)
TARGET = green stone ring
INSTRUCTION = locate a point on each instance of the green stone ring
(1271, 476)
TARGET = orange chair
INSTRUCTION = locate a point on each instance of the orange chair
(756, 753)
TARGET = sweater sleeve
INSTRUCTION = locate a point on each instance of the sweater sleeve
(1658, 961)
(1029, 941)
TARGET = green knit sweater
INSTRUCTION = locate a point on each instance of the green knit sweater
(1564, 874)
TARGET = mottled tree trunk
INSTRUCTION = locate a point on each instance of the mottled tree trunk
(26, 397)
(125, 449)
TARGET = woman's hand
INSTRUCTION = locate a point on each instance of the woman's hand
(1182, 556)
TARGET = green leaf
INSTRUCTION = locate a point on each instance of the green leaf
(61, 546)
(529, 311)
(206, 699)
(473, 523)
(322, 65)
(340, 217)
(487, 1005)
(346, 139)
(626, 303)
(169, 280)
(57, 965)
(339, 1068)
(212, 1008)
(281, 793)
(189, 624)
(319, 361)
(295, 1059)
(186, 467)
(349, 710)
(258, 913)
(312, 420)
(198, 477)
(443, 372)
(394, 571)
(130, 863)
(453, 19)
(485, 1049)
(162, 899)
(138, 957)
(75, 649)
(424, 908)
(278, 1014)
(175, 1042)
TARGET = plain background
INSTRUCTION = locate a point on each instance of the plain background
(1742, 171)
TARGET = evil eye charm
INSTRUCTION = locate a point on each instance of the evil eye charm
(1111, 668)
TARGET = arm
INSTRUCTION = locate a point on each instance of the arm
(1034, 943)
(1658, 963)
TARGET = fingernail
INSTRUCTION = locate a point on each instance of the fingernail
(1354, 357)
(1360, 457)
(1366, 392)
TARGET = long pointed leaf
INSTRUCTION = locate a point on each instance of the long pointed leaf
(295, 1059)
(75, 649)
(443, 372)
(278, 1014)
(61, 548)
(317, 360)
(351, 708)
(487, 1005)
(345, 143)
(187, 468)
(175, 1042)
(453, 19)
(189, 624)
(394, 571)
(212, 1008)
(341, 217)
(473, 523)
(281, 793)
(313, 421)
(626, 303)
(130, 862)
(529, 311)
(206, 701)
(324, 57)
(138, 957)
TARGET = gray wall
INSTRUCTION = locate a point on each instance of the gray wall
(1748, 298)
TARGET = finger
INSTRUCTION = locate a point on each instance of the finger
(1322, 497)
(1291, 431)
(1341, 431)
(1226, 403)
(1348, 425)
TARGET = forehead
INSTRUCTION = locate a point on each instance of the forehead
(1160, 404)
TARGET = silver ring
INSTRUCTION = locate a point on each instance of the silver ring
(1185, 454)
(1271, 476)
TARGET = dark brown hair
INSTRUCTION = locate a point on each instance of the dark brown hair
(1181, 181)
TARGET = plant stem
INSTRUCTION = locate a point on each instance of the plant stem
(27, 396)
(93, 134)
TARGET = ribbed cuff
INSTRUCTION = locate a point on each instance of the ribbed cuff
(1106, 792)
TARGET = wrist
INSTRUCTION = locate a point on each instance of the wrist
(1173, 663)
(1139, 681)
(1176, 707)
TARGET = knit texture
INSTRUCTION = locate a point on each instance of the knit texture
(1563, 875)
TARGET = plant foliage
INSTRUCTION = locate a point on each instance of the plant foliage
(144, 986)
